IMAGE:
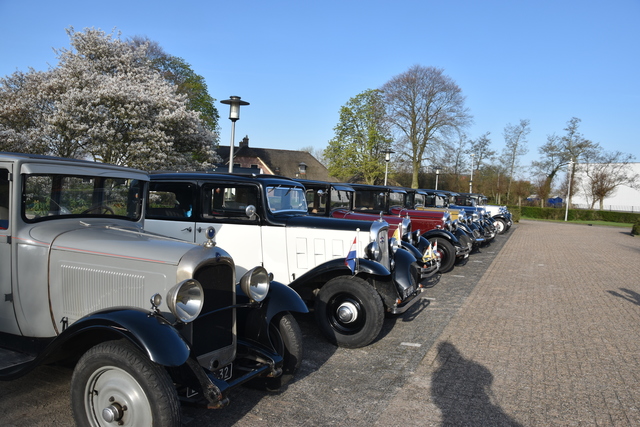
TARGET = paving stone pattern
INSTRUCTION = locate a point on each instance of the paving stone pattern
(549, 336)
(540, 328)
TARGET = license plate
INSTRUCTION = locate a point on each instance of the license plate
(225, 373)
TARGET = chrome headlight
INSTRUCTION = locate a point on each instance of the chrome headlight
(255, 283)
(185, 300)
(372, 251)
(415, 237)
(393, 244)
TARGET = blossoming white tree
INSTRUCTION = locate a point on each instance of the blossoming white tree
(106, 102)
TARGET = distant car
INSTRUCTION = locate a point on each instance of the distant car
(335, 200)
(153, 320)
(435, 226)
(501, 215)
(350, 272)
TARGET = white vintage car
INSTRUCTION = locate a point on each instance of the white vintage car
(151, 319)
(502, 217)
(263, 219)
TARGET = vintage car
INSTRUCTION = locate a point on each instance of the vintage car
(350, 272)
(466, 227)
(150, 320)
(435, 226)
(501, 215)
(484, 220)
(335, 200)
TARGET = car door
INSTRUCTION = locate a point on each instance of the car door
(223, 205)
(8, 322)
(170, 209)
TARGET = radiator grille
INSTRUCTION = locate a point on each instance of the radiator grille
(215, 331)
(88, 289)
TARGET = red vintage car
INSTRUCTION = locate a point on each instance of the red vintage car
(343, 201)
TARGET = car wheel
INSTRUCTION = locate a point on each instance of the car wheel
(500, 225)
(349, 311)
(115, 384)
(286, 338)
(447, 253)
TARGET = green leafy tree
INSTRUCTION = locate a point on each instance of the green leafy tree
(426, 107)
(361, 137)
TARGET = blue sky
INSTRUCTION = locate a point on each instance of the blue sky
(298, 62)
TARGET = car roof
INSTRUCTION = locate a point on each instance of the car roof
(341, 186)
(41, 158)
(265, 180)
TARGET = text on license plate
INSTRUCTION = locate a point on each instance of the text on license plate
(225, 373)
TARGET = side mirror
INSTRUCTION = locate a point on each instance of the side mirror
(250, 211)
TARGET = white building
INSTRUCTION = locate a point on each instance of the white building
(624, 198)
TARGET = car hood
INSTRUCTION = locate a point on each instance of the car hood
(326, 223)
(120, 242)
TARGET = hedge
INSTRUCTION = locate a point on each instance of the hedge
(579, 214)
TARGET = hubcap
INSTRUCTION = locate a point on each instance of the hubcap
(112, 413)
(114, 397)
(347, 312)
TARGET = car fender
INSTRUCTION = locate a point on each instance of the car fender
(444, 234)
(326, 271)
(280, 298)
(254, 320)
(413, 250)
(402, 270)
(153, 334)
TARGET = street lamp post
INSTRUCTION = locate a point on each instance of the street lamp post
(234, 115)
(437, 174)
(387, 158)
(471, 179)
(566, 211)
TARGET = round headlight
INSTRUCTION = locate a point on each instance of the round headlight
(373, 251)
(185, 300)
(255, 283)
(415, 241)
(393, 244)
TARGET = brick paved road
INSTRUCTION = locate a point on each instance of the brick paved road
(539, 328)
(549, 336)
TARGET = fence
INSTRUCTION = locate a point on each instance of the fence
(612, 208)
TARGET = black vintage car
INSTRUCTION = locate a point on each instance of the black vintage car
(351, 272)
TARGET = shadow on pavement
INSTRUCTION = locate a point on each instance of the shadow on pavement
(629, 295)
(461, 388)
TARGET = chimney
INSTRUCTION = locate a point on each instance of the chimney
(244, 142)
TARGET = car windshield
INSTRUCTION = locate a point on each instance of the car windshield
(51, 196)
(286, 199)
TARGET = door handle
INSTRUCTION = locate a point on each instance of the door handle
(188, 229)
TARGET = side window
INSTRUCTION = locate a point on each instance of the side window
(316, 201)
(4, 199)
(171, 200)
(228, 201)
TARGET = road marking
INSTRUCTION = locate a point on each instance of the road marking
(411, 344)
